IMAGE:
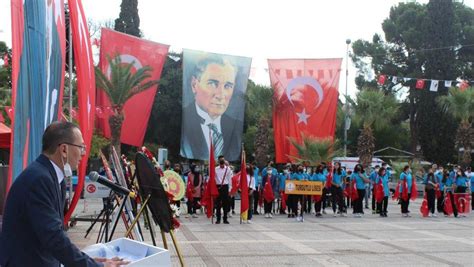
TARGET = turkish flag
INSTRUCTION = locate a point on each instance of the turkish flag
(424, 210)
(244, 189)
(235, 184)
(379, 194)
(137, 109)
(420, 84)
(211, 188)
(268, 191)
(306, 95)
(448, 205)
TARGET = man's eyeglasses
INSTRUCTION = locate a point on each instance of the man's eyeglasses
(82, 147)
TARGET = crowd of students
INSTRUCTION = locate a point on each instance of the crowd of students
(342, 190)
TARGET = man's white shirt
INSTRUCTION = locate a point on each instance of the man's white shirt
(59, 172)
(220, 179)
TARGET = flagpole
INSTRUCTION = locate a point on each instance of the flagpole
(348, 41)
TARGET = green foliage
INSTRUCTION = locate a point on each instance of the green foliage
(97, 144)
(128, 21)
(120, 87)
(312, 151)
(5, 82)
(459, 103)
(423, 41)
(164, 127)
(258, 117)
(374, 108)
(123, 84)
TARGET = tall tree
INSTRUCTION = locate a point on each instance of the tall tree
(120, 87)
(375, 110)
(422, 41)
(128, 21)
(258, 115)
(460, 104)
(164, 127)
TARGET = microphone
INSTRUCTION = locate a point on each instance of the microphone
(95, 177)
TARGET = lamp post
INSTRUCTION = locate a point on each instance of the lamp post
(346, 110)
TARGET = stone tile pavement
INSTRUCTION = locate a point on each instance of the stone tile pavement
(326, 241)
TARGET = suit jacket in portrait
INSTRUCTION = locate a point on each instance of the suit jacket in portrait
(193, 142)
(32, 232)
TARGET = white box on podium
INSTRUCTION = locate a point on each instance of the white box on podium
(138, 253)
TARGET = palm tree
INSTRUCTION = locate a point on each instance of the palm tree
(120, 87)
(312, 151)
(373, 109)
(460, 104)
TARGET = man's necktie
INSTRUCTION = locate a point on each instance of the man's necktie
(217, 139)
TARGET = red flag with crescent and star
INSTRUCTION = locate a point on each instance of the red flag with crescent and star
(306, 95)
(137, 109)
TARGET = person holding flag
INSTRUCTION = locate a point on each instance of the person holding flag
(211, 190)
(430, 189)
(360, 179)
(372, 177)
(269, 181)
(381, 182)
(193, 189)
(336, 189)
(319, 176)
(406, 181)
(258, 185)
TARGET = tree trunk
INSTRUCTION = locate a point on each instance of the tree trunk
(464, 139)
(366, 146)
(115, 123)
(413, 128)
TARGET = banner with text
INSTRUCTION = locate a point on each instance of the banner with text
(294, 187)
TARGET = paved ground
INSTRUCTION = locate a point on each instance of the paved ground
(327, 241)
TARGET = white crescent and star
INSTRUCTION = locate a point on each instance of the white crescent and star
(313, 83)
(126, 58)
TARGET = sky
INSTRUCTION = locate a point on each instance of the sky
(259, 29)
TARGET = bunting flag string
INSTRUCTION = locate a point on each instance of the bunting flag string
(425, 84)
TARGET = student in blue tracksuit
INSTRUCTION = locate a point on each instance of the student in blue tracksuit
(470, 177)
(372, 177)
(272, 179)
(258, 185)
(298, 175)
(405, 176)
(448, 181)
(359, 177)
(336, 189)
(285, 175)
(439, 180)
(319, 176)
(382, 176)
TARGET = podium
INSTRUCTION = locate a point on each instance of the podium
(138, 253)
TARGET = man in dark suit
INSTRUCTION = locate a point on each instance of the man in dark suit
(212, 84)
(33, 232)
